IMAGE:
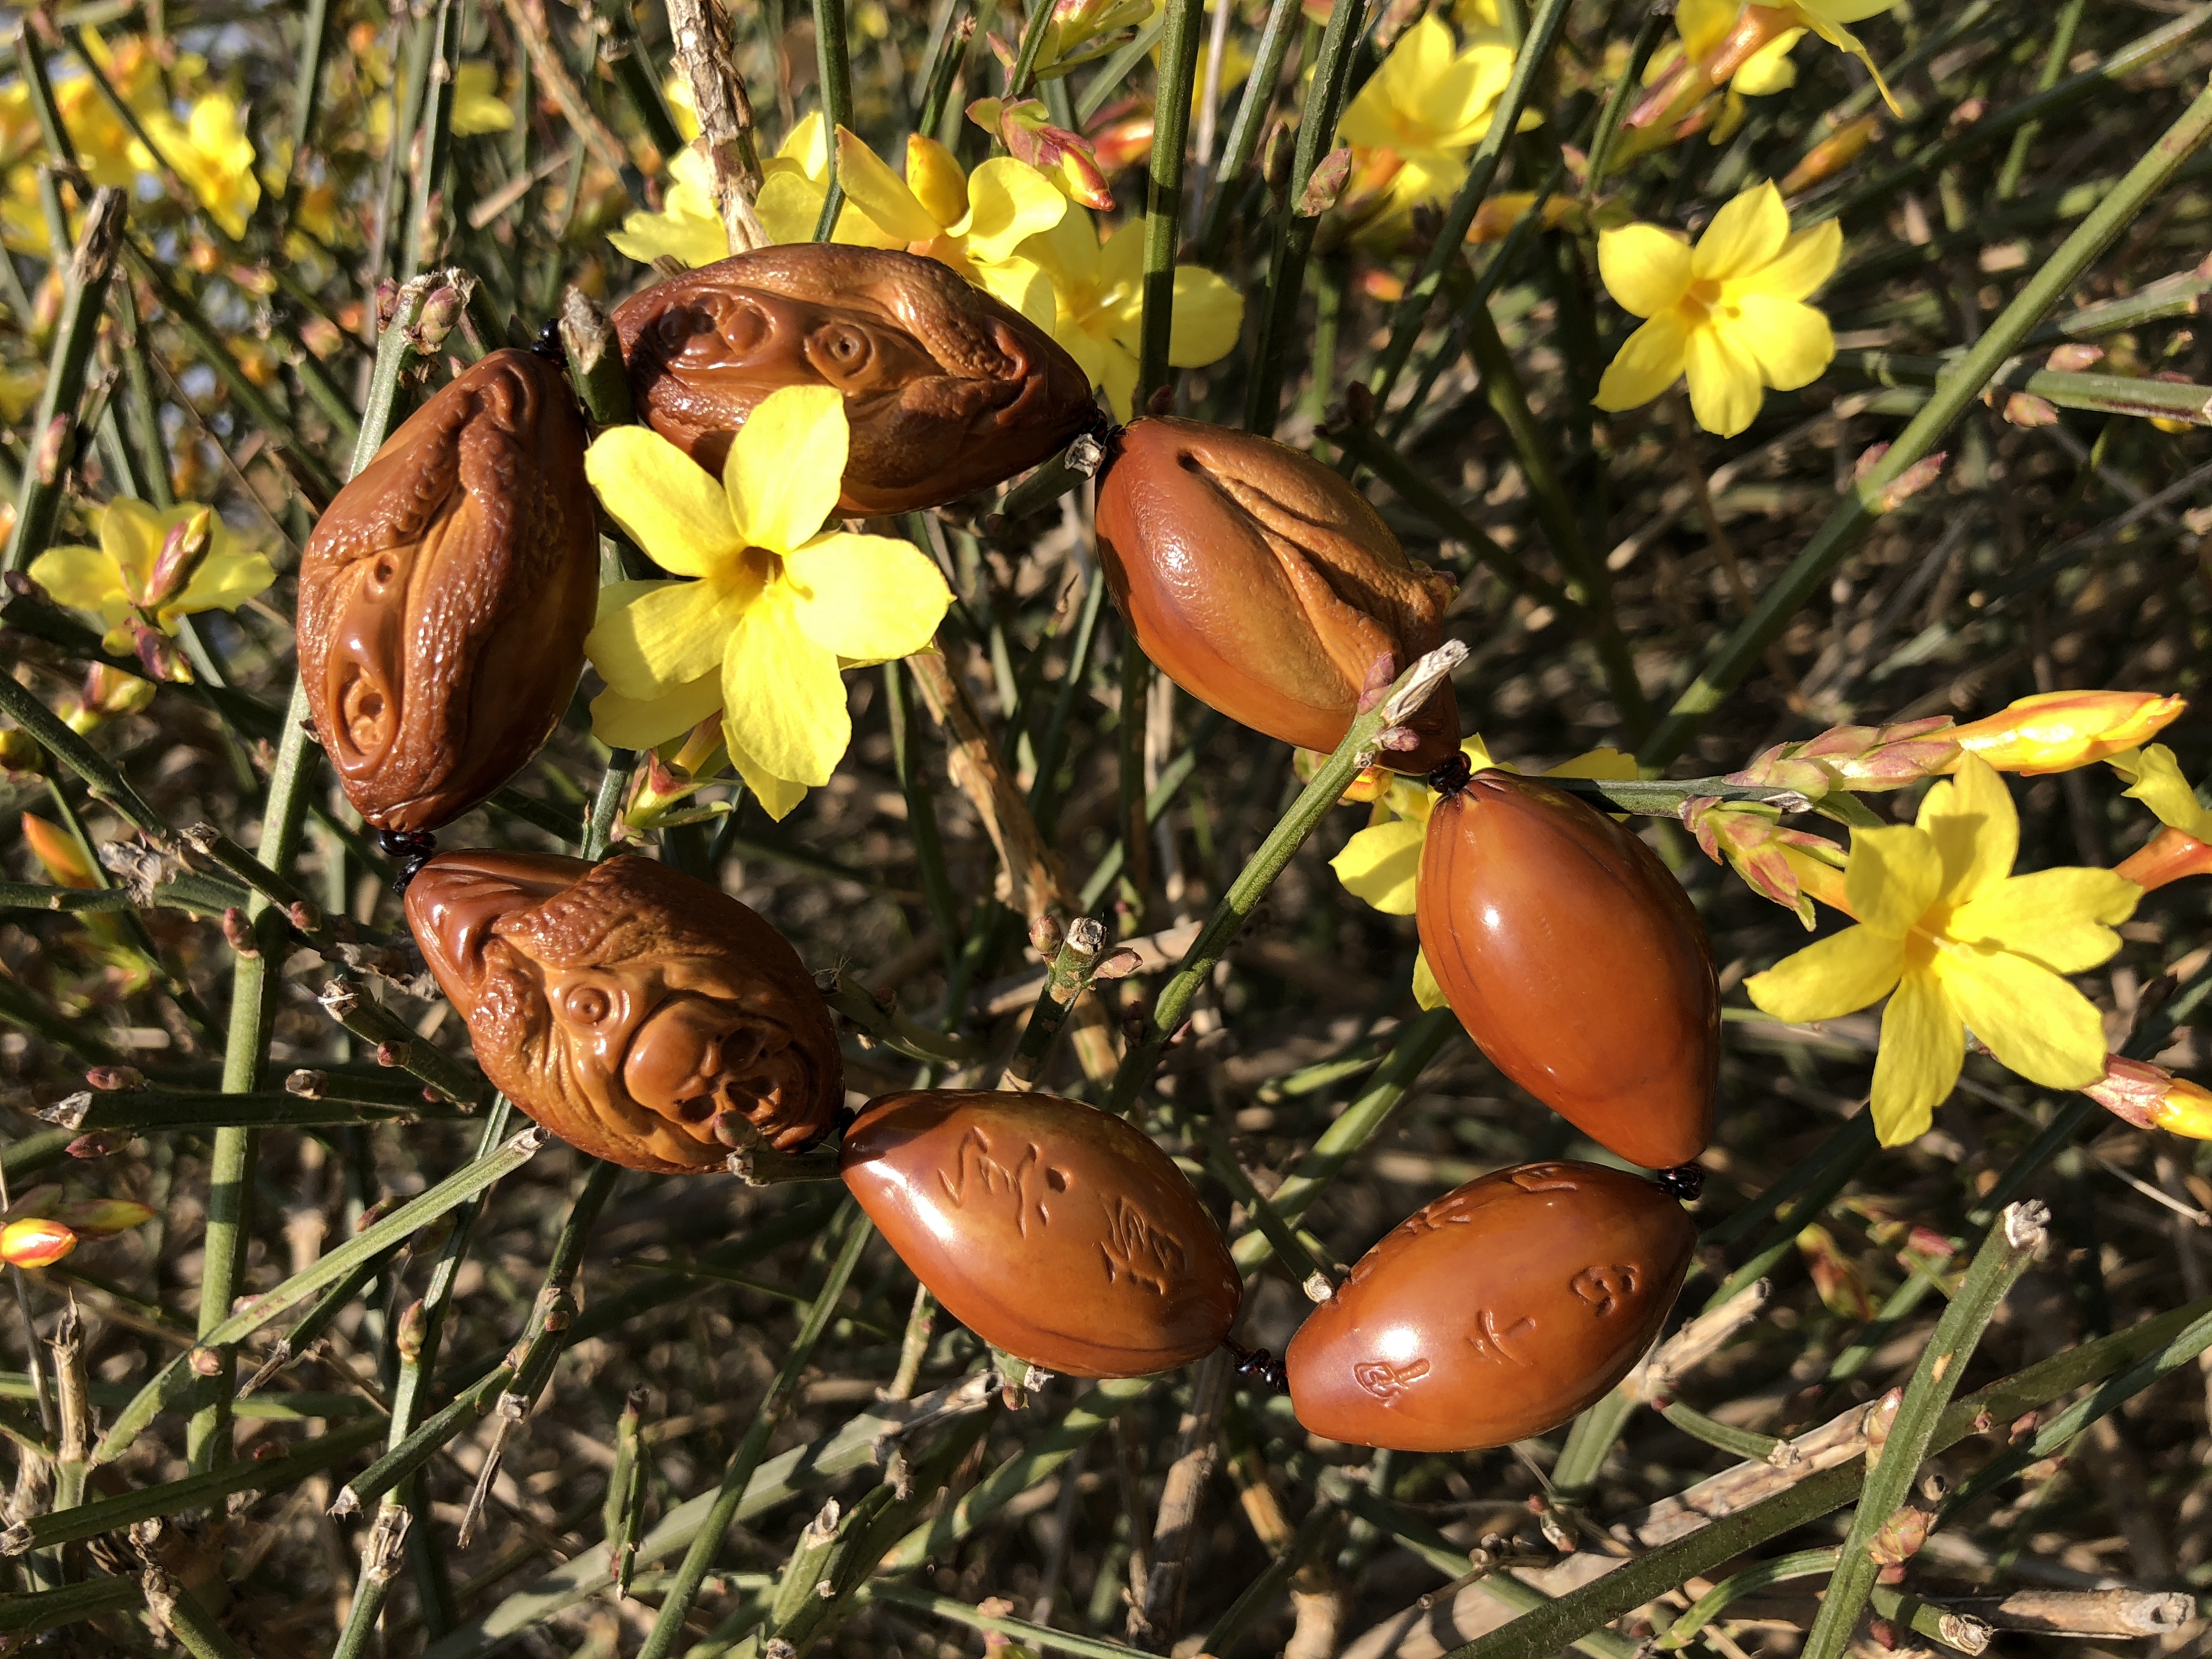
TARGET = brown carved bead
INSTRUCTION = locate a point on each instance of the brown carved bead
(1265, 587)
(640, 1015)
(946, 391)
(1496, 1313)
(445, 596)
(1052, 1230)
(1576, 961)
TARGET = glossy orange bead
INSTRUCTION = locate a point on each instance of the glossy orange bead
(1496, 1313)
(1265, 587)
(1053, 1230)
(1576, 961)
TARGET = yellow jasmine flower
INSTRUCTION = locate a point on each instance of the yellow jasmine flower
(1729, 313)
(1099, 318)
(772, 610)
(102, 578)
(2059, 731)
(477, 107)
(2155, 779)
(676, 93)
(19, 386)
(1962, 943)
(212, 155)
(1428, 104)
(688, 226)
(1381, 864)
(1827, 18)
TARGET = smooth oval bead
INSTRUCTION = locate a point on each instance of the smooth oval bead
(1267, 587)
(445, 595)
(1053, 1230)
(946, 390)
(1497, 1312)
(1576, 961)
(642, 1016)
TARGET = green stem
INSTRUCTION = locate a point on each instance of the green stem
(1848, 524)
(835, 68)
(1242, 141)
(1803, 1563)
(1406, 321)
(2004, 1256)
(706, 1543)
(55, 435)
(1163, 189)
(1656, 18)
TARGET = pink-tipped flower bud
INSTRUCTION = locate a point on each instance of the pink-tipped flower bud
(184, 551)
(114, 1079)
(2151, 1097)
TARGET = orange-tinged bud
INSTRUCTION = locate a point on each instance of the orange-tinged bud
(35, 1241)
(2059, 731)
(2167, 856)
(1832, 154)
(1369, 786)
(2151, 1097)
(103, 1218)
(56, 849)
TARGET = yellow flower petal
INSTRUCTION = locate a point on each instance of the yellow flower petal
(131, 532)
(1894, 876)
(1208, 312)
(777, 796)
(1426, 991)
(785, 467)
(1744, 235)
(1725, 388)
(867, 598)
(1829, 978)
(1023, 285)
(1649, 361)
(84, 578)
(1807, 259)
(1769, 71)
(2155, 779)
(223, 582)
(1975, 826)
(788, 207)
(933, 174)
(783, 700)
(1791, 343)
(1922, 1048)
(1380, 865)
(667, 506)
(1646, 269)
(665, 638)
(2033, 1021)
(1008, 201)
(621, 722)
(880, 193)
(2059, 918)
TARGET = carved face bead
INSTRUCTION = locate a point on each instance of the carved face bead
(946, 391)
(640, 1015)
(1577, 963)
(445, 596)
(1052, 1230)
(1496, 1313)
(1264, 585)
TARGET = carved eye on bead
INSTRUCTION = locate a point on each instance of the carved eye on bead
(588, 1003)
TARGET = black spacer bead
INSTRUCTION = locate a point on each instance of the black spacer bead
(1684, 1181)
(1451, 777)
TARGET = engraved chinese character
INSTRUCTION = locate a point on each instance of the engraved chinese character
(1489, 1339)
(1385, 1380)
(1026, 1181)
(1137, 1250)
(1543, 1178)
(1604, 1287)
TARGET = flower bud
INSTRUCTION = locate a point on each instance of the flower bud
(184, 551)
(35, 1241)
(103, 1218)
(440, 312)
(946, 390)
(1750, 840)
(21, 757)
(1832, 154)
(158, 655)
(1371, 784)
(2026, 409)
(238, 934)
(101, 1143)
(115, 1078)
(2151, 1097)
(2059, 731)
(1576, 961)
(1856, 757)
(56, 851)
(2169, 855)
(1267, 587)
(446, 593)
(413, 1325)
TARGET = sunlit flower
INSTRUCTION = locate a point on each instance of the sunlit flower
(1429, 105)
(2155, 779)
(114, 579)
(1100, 316)
(1063, 156)
(2151, 1097)
(1729, 313)
(1380, 865)
(2059, 731)
(477, 107)
(774, 608)
(1827, 18)
(212, 153)
(1079, 32)
(35, 1241)
(688, 226)
(1963, 945)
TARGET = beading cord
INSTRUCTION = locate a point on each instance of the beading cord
(413, 848)
(1684, 1181)
(1452, 777)
(1258, 1367)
